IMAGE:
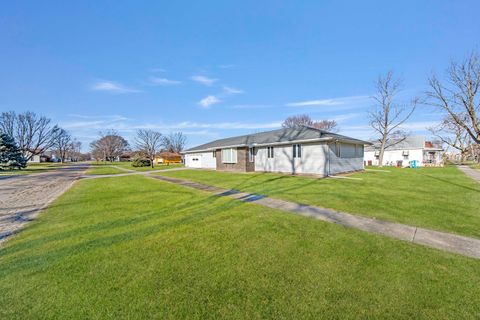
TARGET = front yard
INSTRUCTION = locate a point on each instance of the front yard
(135, 247)
(437, 198)
(113, 167)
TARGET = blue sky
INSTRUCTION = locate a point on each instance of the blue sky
(214, 69)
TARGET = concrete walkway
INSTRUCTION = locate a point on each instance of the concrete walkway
(440, 240)
(472, 173)
(128, 173)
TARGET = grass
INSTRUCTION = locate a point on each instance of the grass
(113, 167)
(34, 168)
(128, 165)
(438, 198)
(134, 247)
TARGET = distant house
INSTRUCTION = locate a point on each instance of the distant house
(44, 157)
(299, 150)
(166, 157)
(402, 153)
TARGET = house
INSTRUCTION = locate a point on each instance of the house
(166, 157)
(299, 150)
(402, 153)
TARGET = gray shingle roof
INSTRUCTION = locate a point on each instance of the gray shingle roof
(410, 142)
(275, 136)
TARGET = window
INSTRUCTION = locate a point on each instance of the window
(297, 151)
(269, 152)
(405, 157)
(214, 153)
(337, 150)
(358, 150)
(229, 155)
(251, 154)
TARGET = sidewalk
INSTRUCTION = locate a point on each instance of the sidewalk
(472, 173)
(440, 240)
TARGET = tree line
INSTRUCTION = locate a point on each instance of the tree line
(28, 134)
(110, 146)
(25, 135)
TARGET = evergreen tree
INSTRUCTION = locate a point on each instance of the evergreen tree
(10, 155)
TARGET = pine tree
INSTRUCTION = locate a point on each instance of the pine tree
(10, 156)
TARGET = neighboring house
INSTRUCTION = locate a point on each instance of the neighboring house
(166, 157)
(290, 150)
(401, 153)
(37, 158)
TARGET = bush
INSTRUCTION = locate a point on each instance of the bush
(141, 163)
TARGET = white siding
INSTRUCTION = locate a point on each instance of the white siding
(391, 157)
(206, 160)
(350, 161)
(314, 159)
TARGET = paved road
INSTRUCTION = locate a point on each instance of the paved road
(472, 173)
(23, 196)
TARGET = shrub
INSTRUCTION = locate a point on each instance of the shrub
(141, 163)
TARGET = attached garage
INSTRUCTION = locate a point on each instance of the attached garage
(204, 160)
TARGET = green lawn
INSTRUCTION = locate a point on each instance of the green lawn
(438, 198)
(138, 248)
(34, 168)
(115, 167)
(128, 165)
(103, 169)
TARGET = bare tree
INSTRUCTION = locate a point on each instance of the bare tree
(75, 150)
(33, 134)
(306, 120)
(149, 142)
(62, 143)
(297, 120)
(454, 136)
(387, 117)
(175, 142)
(326, 125)
(109, 146)
(457, 96)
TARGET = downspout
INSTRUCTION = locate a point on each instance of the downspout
(328, 159)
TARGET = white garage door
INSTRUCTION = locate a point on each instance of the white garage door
(196, 161)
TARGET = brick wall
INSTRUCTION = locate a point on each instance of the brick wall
(242, 165)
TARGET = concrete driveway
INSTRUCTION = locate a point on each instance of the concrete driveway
(23, 196)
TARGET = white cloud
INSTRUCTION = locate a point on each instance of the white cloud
(204, 80)
(229, 90)
(215, 125)
(112, 87)
(208, 101)
(163, 81)
(100, 122)
(360, 100)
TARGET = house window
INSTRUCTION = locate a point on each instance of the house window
(297, 151)
(251, 154)
(405, 157)
(359, 150)
(214, 153)
(337, 150)
(270, 152)
(229, 155)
